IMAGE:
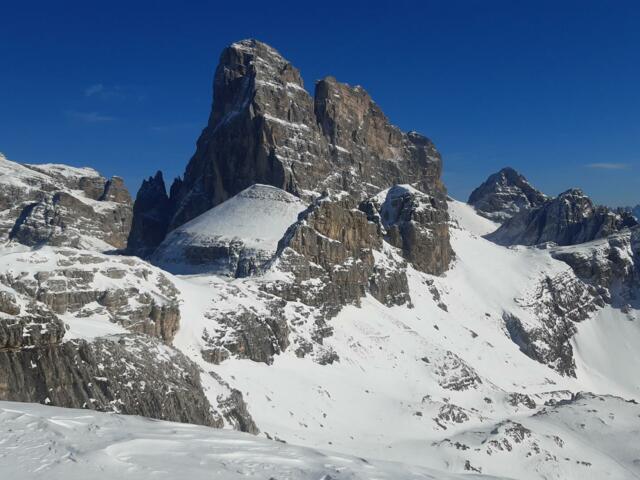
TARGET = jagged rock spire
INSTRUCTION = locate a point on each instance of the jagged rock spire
(265, 128)
(151, 214)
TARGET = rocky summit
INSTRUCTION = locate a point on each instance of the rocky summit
(505, 194)
(308, 283)
(264, 128)
(568, 219)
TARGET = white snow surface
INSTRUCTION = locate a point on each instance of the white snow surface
(255, 218)
(67, 444)
(259, 215)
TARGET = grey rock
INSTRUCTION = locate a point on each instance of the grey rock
(253, 336)
(612, 264)
(450, 414)
(558, 303)
(265, 128)
(416, 223)
(569, 219)
(62, 206)
(8, 303)
(35, 328)
(329, 252)
(72, 288)
(505, 194)
(152, 212)
(455, 374)
(131, 374)
(234, 409)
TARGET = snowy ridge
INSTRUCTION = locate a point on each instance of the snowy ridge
(248, 225)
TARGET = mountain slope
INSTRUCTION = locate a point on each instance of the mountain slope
(405, 379)
(235, 238)
(76, 444)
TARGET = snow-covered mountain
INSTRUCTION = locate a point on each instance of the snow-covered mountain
(234, 238)
(321, 293)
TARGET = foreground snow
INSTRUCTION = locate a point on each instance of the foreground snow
(56, 443)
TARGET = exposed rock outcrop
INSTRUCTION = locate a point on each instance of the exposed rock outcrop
(329, 253)
(568, 219)
(132, 374)
(62, 206)
(414, 222)
(253, 336)
(151, 215)
(124, 290)
(505, 194)
(558, 304)
(612, 264)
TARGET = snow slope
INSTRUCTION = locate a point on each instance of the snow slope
(250, 223)
(438, 385)
(410, 378)
(55, 443)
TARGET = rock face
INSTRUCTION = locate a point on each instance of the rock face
(63, 206)
(505, 194)
(568, 219)
(368, 154)
(415, 223)
(151, 216)
(558, 303)
(611, 264)
(148, 378)
(265, 128)
(236, 238)
(331, 254)
(124, 291)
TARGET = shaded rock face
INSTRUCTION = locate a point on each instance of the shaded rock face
(151, 216)
(62, 206)
(129, 374)
(234, 409)
(261, 130)
(505, 194)
(558, 303)
(253, 336)
(265, 128)
(37, 328)
(415, 223)
(569, 219)
(371, 154)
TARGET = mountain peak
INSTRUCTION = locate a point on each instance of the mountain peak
(504, 194)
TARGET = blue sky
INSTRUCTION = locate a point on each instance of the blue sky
(551, 88)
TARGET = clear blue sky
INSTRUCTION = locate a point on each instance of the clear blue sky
(551, 88)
